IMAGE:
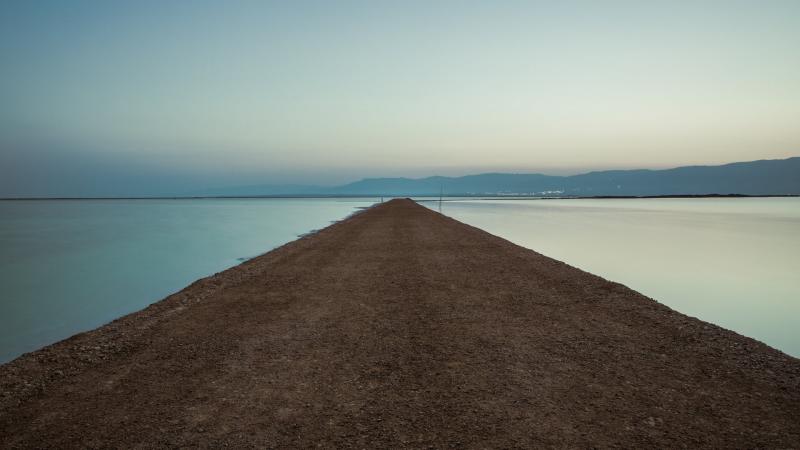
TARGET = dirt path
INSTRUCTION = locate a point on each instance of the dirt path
(400, 327)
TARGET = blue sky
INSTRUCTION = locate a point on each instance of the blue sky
(142, 98)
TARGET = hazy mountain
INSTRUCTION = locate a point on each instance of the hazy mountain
(765, 177)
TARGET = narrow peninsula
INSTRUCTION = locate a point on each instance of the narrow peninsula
(400, 327)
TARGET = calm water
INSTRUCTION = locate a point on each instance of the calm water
(732, 262)
(69, 266)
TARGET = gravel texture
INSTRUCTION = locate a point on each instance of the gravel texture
(400, 327)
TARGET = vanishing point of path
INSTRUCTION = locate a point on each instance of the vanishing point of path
(399, 327)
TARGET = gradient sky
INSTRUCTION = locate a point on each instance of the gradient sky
(143, 98)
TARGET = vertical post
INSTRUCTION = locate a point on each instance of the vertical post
(441, 189)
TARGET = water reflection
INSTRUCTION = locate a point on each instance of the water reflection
(732, 262)
(69, 266)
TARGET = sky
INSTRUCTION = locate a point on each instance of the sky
(105, 98)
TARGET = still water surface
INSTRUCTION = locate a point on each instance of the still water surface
(71, 265)
(732, 262)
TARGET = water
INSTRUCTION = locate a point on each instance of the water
(70, 266)
(732, 262)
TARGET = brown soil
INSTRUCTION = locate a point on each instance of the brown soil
(399, 327)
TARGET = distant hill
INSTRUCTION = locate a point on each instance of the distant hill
(764, 177)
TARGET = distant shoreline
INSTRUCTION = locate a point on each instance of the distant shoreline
(387, 196)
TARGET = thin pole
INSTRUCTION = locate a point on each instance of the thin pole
(441, 189)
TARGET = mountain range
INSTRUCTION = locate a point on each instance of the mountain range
(763, 177)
